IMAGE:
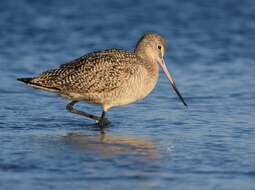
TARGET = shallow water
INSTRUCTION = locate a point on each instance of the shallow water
(153, 144)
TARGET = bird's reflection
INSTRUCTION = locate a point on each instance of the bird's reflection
(113, 144)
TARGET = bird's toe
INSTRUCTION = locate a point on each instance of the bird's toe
(103, 122)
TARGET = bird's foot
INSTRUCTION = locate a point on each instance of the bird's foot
(103, 122)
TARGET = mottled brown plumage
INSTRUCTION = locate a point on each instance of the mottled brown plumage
(96, 72)
(111, 77)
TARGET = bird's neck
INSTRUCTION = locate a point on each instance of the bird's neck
(148, 62)
(152, 67)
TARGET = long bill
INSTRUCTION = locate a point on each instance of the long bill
(170, 78)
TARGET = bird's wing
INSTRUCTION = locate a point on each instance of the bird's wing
(93, 73)
(87, 57)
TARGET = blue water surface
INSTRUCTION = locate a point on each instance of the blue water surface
(154, 144)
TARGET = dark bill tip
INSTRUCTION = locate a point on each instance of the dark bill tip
(179, 95)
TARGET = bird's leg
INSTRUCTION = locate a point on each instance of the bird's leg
(71, 109)
(103, 121)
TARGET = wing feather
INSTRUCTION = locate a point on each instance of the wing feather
(96, 72)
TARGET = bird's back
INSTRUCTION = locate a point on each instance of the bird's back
(94, 73)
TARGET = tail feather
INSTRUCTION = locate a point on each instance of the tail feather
(35, 84)
(25, 80)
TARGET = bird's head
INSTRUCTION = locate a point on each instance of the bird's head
(151, 47)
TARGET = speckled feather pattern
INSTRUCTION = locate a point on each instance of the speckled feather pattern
(95, 72)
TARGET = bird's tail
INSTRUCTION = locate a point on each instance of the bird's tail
(37, 84)
(25, 80)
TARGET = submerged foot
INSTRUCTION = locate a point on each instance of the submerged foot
(103, 122)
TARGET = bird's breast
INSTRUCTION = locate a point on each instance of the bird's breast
(136, 88)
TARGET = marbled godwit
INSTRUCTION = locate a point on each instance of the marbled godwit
(110, 78)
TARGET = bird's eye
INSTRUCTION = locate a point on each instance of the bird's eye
(159, 47)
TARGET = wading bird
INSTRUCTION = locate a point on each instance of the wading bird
(110, 77)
